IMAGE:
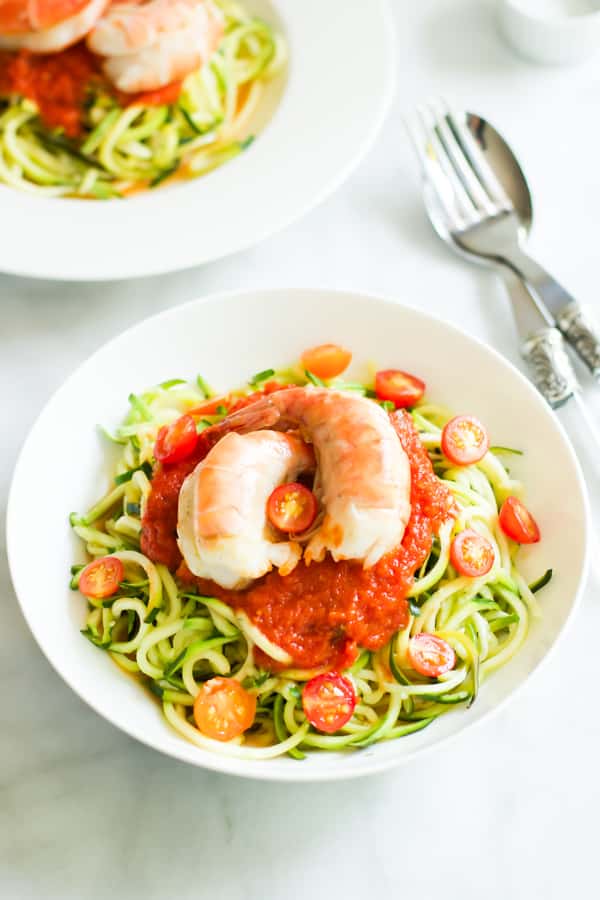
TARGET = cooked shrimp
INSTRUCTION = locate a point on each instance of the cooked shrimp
(148, 44)
(363, 471)
(47, 26)
(222, 522)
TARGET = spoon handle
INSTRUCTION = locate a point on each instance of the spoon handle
(570, 317)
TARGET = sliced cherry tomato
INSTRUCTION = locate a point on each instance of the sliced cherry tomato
(224, 709)
(430, 655)
(292, 507)
(517, 522)
(398, 387)
(465, 440)
(329, 701)
(176, 441)
(326, 361)
(471, 554)
(102, 577)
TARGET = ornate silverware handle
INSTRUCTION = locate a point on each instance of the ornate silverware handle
(575, 323)
(550, 366)
(580, 331)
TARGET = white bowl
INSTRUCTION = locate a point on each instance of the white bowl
(551, 31)
(63, 467)
(321, 116)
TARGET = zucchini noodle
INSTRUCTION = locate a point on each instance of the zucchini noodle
(174, 639)
(123, 150)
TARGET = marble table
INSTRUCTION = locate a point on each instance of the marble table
(507, 810)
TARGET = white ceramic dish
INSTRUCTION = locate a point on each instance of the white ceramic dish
(552, 31)
(63, 466)
(319, 119)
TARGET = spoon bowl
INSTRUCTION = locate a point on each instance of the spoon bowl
(505, 166)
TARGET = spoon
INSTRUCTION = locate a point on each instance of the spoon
(554, 302)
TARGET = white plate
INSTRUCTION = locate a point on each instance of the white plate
(323, 112)
(63, 467)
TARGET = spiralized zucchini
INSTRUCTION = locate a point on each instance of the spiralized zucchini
(175, 639)
(126, 149)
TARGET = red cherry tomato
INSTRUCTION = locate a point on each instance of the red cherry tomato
(224, 709)
(176, 441)
(464, 440)
(329, 701)
(399, 387)
(326, 361)
(430, 655)
(292, 507)
(102, 577)
(517, 522)
(471, 554)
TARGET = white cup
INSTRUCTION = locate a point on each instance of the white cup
(551, 31)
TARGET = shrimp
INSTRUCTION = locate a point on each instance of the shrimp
(47, 26)
(148, 44)
(222, 518)
(363, 477)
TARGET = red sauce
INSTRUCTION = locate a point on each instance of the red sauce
(163, 96)
(57, 83)
(159, 525)
(323, 612)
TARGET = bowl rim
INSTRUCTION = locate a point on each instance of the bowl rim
(260, 770)
(567, 22)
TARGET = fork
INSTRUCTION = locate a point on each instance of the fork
(470, 209)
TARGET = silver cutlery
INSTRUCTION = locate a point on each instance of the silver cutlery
(479, 203)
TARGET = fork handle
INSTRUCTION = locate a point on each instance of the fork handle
(571, 318)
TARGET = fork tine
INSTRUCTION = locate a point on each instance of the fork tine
(460, 161)
(476, 159)
(438, 170)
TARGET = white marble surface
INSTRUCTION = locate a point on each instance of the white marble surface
(506, 811)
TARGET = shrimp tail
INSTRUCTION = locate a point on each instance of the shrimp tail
(256, 417)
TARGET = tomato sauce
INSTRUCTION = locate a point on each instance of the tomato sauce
(57, 83)
(322, 613)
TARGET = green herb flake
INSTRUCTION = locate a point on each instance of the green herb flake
(146, 468)
(314, 379)
(204, 388)
(541, 582)
(261, 376)
(414, 609)
(165, 385)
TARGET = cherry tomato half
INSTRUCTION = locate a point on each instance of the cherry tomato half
(430, 655)
(102, 577)
(329, 701)
(326, 361)
(399, 387)
(176, 441)
(292, 507)
(464, 440)
(224, 709)
(471, 554)
(517, 522)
